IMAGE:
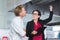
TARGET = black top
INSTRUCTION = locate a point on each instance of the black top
(30, 27)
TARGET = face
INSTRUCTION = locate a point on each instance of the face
(35, 15)
(23, 12)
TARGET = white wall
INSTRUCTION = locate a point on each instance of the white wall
(3, 13)
(5, 6)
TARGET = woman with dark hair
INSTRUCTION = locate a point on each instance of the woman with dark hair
(35, 28)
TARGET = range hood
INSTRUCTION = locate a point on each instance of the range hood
(41, 1)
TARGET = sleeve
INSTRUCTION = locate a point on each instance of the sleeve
(28, 31)
(48, 19)
(17, 27)
(40, 30)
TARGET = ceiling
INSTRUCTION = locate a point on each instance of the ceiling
(37, 2)
(13, 3)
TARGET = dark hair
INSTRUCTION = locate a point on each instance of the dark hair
(39, 13)
(18, 9)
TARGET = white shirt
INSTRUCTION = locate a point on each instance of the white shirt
(17, 29)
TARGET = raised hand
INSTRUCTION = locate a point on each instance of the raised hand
(51, 8)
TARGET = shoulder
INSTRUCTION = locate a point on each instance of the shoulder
(16, 19)
(40, 20)
(30, 21)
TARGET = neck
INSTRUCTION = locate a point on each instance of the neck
(21, 17)
(36, 21)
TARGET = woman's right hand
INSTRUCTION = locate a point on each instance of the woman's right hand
(51, 8)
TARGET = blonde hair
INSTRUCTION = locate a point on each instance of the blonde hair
(18, 9)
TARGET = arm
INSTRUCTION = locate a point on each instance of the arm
(28, 31)
(40, 30)
(17, 28)
(48, 19)
(50, 16)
